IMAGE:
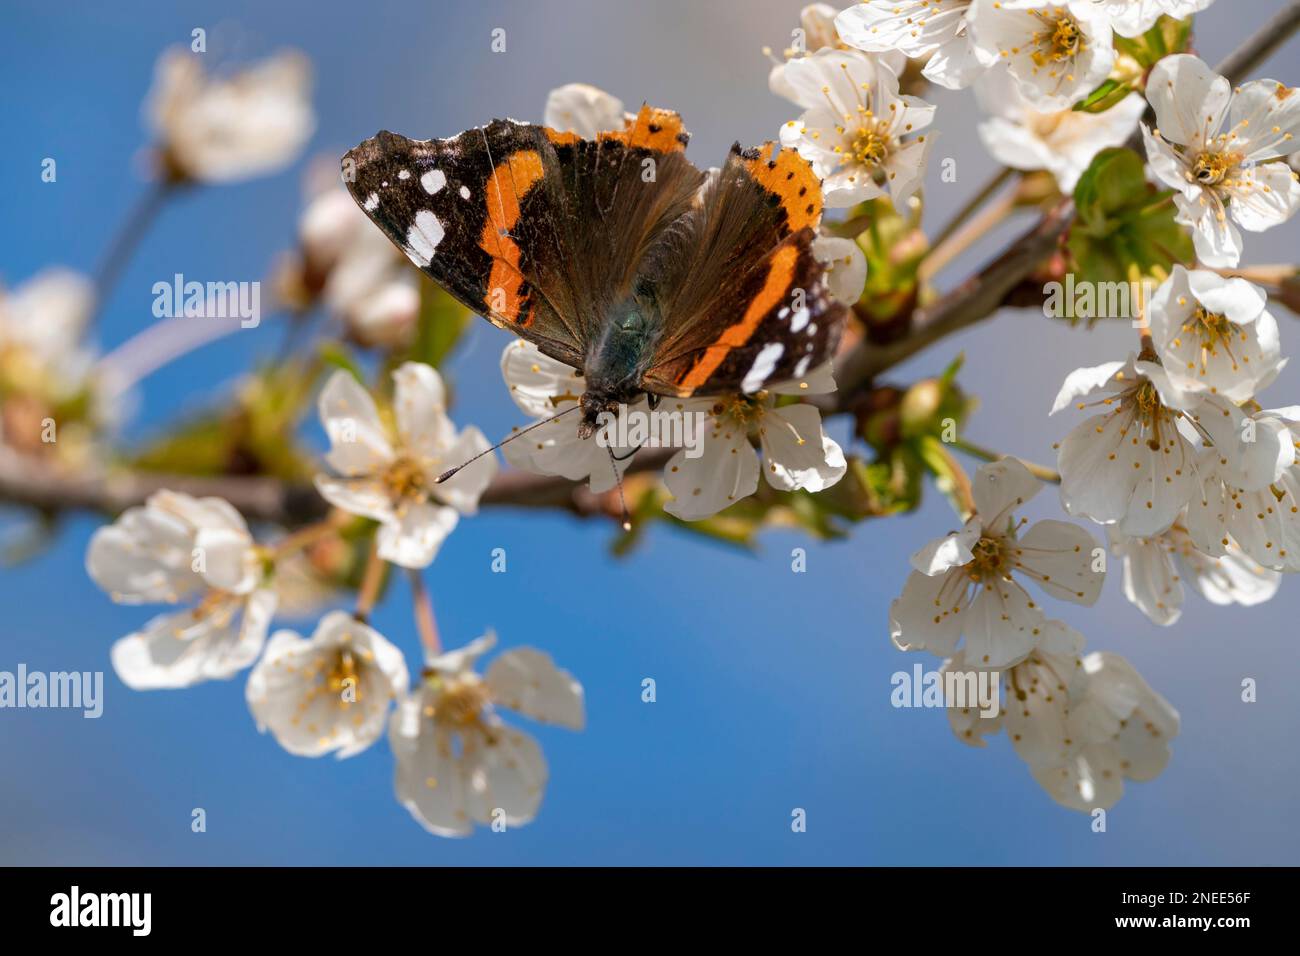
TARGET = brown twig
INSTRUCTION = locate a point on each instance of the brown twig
(29, 482)
(425, 622)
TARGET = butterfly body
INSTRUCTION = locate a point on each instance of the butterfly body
(616, 255)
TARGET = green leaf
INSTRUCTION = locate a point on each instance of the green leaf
(337, 355)
(1124, 226)
(1113, 181)
(948, 477)
(894, 246)
(1167, 36)
(1104, 97)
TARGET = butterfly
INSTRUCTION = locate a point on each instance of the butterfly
(616, 256)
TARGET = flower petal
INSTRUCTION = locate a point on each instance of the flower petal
(999, 487)
(1264, 196)
(184, 648)
(412, 540)
(950, 551)
(725, 472)
(797, 453)
(846, 267)
(1190, 99)
(428, 778)
(928, 615)
(1265, 118)
(420, 405)
(527, 681)
(463, 490)
(1232, 578)
(358, 445)
(536, 381)
(1002, 625)
(1085, 381)
(1150, 581)
(584, 110)
(366, 497)
(1059, 556)
(507, 775)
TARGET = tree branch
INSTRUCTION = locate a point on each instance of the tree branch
(28, 482)
(970, 302)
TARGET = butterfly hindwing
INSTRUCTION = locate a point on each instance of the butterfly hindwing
(744, 300)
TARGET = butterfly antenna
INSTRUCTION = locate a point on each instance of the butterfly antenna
(622, 501)
(523, 431)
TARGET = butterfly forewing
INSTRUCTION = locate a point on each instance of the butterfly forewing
(540, 232)
(454, 207)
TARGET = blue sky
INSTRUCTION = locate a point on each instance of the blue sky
(773, 687)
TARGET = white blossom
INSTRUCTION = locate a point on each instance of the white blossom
(797, 452)
(1235, 175)
(856, 131)
(1063, 142)
(221, 128)
(1036, 698)
(361, 277)
(584, 110)
(1130, 464)
(1122, 728)
(329, 693)
(818, 23)
(1131, 18)
(44, 361)
(177, 549)
(1156, 568)
(458, 763)
(1214, 334)
(1249, 490)
(1057, 52)
(938, 30)
(391, 475)
(846, 267)
(963, 584)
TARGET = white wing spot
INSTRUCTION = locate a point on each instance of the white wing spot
(802, 366)
(423, 237)
(763, 366)
(433, 180)
(371, 203)
(404, 174)
(464, 192)
(799, 319)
